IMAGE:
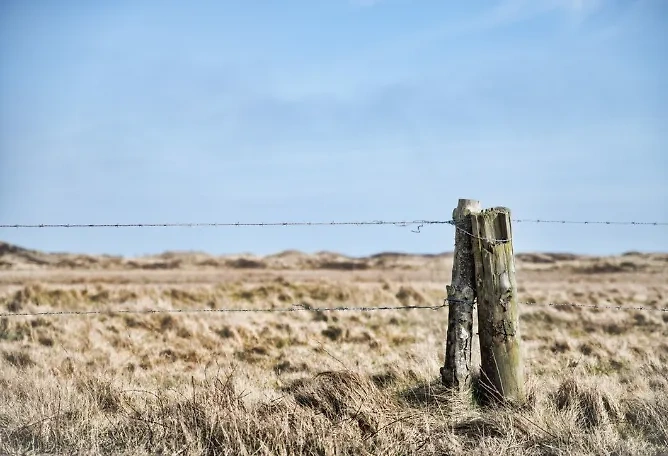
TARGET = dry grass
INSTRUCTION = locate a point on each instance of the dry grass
(319, 383)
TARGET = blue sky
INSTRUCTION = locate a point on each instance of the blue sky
(219, 111)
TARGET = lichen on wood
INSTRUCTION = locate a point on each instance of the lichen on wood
(456, 372)
(502, 371)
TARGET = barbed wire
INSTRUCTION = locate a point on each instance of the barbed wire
(308, 308)
(402, 223)
(295, 308)
(590, 222)
(596, 306)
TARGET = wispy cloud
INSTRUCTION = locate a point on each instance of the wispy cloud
(499, 15)
(578, 6)
(507, 12)
(364, 3)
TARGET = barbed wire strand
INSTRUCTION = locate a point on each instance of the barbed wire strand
(595, 306)
(295, 308)
(402, 223)
(589, 222)
(307, 308)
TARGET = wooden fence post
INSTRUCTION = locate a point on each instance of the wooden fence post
(456, 373)
(502, 371)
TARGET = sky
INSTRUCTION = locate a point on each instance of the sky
(139, 111)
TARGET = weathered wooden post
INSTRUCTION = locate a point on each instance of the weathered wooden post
(502, 371)
(456, 373)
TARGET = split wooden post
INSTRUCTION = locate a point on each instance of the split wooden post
(502, 371)
(456, 373)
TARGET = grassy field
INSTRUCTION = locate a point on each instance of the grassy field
(319, 383)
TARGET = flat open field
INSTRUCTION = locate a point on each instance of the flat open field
(319, 382)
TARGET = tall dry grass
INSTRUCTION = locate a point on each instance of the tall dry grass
(325, 383)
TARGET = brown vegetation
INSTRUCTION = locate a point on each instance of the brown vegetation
(319, 383)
